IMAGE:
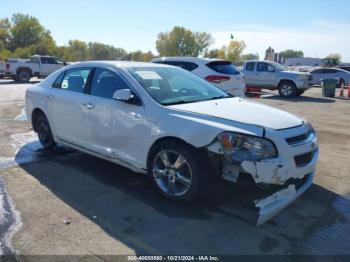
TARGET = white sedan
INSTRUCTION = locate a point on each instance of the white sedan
(166, 122)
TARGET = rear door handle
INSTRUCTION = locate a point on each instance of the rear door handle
(50, 97)
(89, 106)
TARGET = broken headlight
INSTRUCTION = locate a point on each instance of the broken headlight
(238, 147)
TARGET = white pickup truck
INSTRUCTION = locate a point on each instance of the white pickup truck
(24, 69)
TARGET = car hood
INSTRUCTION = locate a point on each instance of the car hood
(244, 111)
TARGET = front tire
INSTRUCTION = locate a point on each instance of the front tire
(177, 172)
(300, 92)
(44, 132)
(287, 89)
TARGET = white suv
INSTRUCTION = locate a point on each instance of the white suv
(221, 73)
(166, 122)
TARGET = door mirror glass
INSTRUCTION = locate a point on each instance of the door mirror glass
(124, 95)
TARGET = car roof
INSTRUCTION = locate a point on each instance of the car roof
(255, 61)
(198, 60)
(119, 64)
(334, 68)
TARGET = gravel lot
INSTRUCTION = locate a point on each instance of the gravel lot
(71, 203)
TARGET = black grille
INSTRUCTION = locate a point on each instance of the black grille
(298, 182)
(296, 139)
(310, 78)
(304, 159)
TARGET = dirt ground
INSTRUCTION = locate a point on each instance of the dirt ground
(69, 203)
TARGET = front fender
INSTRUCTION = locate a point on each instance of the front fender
(200, 130)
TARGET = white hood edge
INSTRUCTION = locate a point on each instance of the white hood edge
(243, 111)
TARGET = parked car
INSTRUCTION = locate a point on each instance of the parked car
(178, 128)
(325, 73)
(41, 66)
(271, 75)
(219, 72)
(344, 67)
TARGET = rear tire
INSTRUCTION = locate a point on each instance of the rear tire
(44, 132)
(23, 75)
(287, 89)
(177, 171)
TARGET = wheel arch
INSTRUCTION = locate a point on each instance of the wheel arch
(167, 139)
(24, 68)
(286, 80)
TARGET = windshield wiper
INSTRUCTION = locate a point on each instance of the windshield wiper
(194, 101)
(178, 103)
(220, 97)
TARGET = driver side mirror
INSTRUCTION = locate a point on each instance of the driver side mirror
(126, 95)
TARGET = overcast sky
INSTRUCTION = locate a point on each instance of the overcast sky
(318, 27)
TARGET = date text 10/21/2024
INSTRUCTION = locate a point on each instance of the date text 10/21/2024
(173, 258)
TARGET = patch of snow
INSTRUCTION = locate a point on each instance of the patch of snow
(25, 145)
(10, 221)
(22, 116)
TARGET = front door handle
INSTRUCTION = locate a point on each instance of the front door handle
(89, 106)
(50, 97)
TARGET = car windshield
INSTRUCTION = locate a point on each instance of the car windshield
(171, 86)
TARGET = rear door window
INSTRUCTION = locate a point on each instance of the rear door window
(317, 71)
(34, 60)
(44, 60)
(223, 67)
(330, 71)
(75, 79)
(106, 82)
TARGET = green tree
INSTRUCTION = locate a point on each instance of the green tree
(183, 42)
(249, 56)
(99, 51)
(26, 31)
(290, 53)
(234, 50)
(333, 59)
(5, 33)
(139, 56)
(213, 53)
(148, 56)
(75, 51)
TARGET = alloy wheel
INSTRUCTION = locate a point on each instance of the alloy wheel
(286, 90)
(172, 173)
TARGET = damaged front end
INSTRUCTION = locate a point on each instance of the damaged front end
(266, 164)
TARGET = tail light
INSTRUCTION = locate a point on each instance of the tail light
(7, 66)
(217, 79)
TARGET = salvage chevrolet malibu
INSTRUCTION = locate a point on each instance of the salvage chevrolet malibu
(178, 128)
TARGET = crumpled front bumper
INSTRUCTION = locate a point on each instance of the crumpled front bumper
(290, 174)
(273, 204)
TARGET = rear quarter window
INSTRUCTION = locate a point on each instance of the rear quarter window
(223, 67)
(189, 66)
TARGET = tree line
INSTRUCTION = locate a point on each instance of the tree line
(23, 35)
